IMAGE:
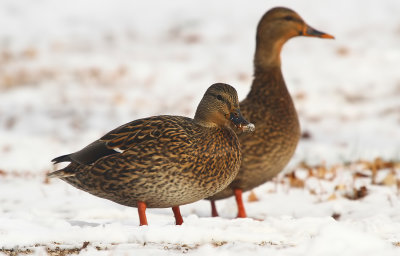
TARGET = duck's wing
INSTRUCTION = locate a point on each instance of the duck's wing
(125, 137)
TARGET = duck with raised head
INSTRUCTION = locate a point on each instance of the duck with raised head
(163, 161)
(269, 106)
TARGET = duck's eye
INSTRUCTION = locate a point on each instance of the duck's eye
(219, 97)
(288, 18)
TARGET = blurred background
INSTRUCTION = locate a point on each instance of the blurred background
(72, 70)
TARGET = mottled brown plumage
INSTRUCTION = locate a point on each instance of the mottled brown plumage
(163, 161)
(269, 106)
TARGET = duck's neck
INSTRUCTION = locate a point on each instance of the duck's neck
(268, 83)
(268, 54)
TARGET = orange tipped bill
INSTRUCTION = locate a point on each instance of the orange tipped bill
(309, 31)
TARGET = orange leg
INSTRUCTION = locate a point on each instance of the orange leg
(142, 212)
(214, 211)
(178, 216)
(239, 201)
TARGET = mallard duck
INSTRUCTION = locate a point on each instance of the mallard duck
(269, 106)
(163, 161)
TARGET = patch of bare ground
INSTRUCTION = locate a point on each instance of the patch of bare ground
(16, 251)
(184, 248)
(56, 249)
(52, 251)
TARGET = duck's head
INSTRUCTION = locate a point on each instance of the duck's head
(220, 107)
(277, 26)
(282, 23)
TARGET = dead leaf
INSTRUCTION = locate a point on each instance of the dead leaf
(342, 51)
(396, 244)
(295, 182)
(306, 135)
(252, 197)
(7, 148)
(10, 122)
(390, 179)
(6, 56)
(321, 171)
(300, 96)
(192, 39)
(218, 243)
(242, 76)
(357, 193)
(29, 53)
(85, 244)
(312, 191)
(340, 187)
(360, 175)
(2, 173)
(336, 216)
(332, 197)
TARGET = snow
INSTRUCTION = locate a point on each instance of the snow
(72, 70)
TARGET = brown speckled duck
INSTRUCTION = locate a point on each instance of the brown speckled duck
(269, 106)
(163, 161)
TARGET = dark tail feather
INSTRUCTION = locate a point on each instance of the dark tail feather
(64, 158)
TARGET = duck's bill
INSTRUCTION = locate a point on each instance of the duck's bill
(240, 123)
(312, 32)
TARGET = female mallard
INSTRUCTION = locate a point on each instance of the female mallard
(269, 106)
(163, 161)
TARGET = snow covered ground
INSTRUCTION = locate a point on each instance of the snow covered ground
(72, 70)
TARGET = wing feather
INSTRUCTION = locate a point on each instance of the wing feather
(146, 130)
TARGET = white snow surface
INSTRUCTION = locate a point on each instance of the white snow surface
(72, 70)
